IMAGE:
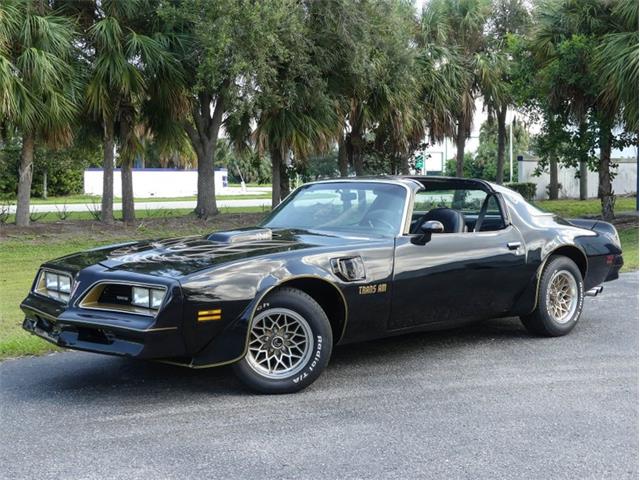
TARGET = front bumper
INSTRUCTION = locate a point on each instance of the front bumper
(101, 331)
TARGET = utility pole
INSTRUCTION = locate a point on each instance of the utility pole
(511, 151)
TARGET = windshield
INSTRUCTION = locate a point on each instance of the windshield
(351, 207)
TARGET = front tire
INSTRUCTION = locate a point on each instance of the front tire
(560, 299)
(290, 342)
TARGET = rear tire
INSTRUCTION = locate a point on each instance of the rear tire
(560, 299)
(290, 342)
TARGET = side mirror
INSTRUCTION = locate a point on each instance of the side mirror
(428, 228)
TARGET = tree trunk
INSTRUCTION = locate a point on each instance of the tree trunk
(356, 151)
(343, 160)
(582, 131)
(106, 210)
(605, 190)
(24, 181)
(355, 140)
(285, 185)
(128, 207)
(553, 177)
(501, 113)
(206, 204)
(461, 137)
(203, 134)
(583, 180)
(404, 164)
(127, 159)
(276, 160)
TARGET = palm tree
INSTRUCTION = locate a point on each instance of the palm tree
(601, 40)
(459, 25)
(508, 17)
(616, 61)
(38, 83)
(616, 65)
(126, 61)
(365, 52)
(557, 23)
(301, 127)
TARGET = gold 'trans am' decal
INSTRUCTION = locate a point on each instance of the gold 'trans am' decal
(369, 289)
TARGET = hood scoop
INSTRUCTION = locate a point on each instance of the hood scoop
(241, 236)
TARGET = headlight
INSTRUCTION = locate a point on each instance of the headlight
(121, 297)
(54, 285)
(140, 297)
(157, 296)
(147, 297)
(51, 281)
(64, 284)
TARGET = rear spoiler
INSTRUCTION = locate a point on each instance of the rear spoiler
(594, 225)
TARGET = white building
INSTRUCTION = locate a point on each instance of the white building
(153, 182)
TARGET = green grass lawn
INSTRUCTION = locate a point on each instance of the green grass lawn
(629, 239)
(20, 260)
(141, 214)
(579, 208)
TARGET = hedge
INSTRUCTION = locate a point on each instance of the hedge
(526, 189)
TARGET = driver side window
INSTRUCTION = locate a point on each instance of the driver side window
(443, 205)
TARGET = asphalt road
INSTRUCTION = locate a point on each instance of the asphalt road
(482, 402)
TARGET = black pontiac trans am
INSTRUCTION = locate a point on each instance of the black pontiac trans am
(338, 261)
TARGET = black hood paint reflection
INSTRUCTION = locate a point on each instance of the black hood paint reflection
(178, 257)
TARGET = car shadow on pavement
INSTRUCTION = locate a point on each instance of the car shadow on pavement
(81, 377)
(508, 330)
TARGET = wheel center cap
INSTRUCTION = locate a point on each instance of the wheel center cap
(277, 342)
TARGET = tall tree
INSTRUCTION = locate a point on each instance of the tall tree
(572, 37)
(366, 53)
(508, 17)
(224, 51)
(616, 65)
(460, 25)
(616, 62)
(533, 92)
(38, 81)
(128, 55)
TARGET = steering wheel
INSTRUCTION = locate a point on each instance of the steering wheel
(375, 217)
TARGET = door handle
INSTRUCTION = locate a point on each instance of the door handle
(514, 245)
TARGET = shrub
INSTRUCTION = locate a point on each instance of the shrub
(526, 189)
(64, 170)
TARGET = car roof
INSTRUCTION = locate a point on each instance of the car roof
(451, 183)
(422, 182)
(411, 184)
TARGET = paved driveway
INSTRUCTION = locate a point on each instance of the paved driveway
(482, 402)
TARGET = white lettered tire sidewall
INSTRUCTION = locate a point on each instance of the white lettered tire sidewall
(305, 306)
(541, 321)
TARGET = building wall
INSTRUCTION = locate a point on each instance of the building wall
(153, 182)
(625, 181)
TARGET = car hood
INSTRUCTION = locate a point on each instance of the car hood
(177, 257)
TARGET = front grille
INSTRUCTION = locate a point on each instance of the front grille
(115, 294)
